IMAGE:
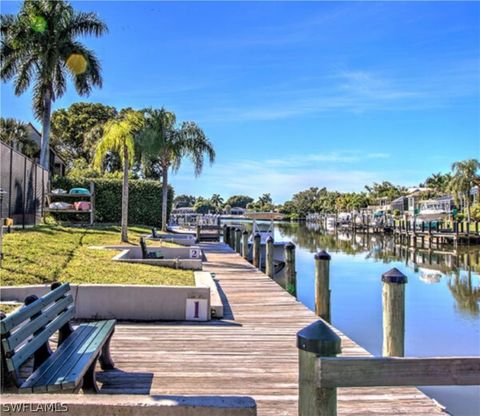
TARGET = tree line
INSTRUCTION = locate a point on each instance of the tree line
(40, 48)
(464, 176)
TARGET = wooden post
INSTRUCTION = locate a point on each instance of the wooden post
(225, 226)
(1, 237)
(256, 250)
(322, 285)
(227, 235)
(238, 240)
(393, 300)
(313, 342)
(245, 245)
(230, 237)
(269, 257)
(199, 231)
(290, 272)
(92, 203)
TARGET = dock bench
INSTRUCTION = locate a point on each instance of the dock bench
(71, 366)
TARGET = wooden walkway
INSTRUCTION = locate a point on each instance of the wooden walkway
(252, 352)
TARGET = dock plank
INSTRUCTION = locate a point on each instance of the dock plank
(252, 351)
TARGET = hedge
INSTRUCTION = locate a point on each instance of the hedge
(144, 199)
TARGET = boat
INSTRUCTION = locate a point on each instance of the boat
(266, 231)
(330, 223)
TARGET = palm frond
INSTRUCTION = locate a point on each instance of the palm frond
(24, 75)
(83, 23)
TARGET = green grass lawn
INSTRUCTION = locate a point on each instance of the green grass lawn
(45, 254)
(7, 308)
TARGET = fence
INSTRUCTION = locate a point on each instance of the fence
(24, 183)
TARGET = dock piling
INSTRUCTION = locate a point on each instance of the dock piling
(393, 302)
(290, 272)
(225, 227)
(256, 250)
(322, 285)
(269, 271)
(245, 245)
(238, 240)
(314, 341)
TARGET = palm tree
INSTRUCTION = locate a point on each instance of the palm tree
(15, 132)
(39, 46)
(438, 182)
(464, 178)
(119, 136)
(162, 138)
(12, 130)
(217, 201)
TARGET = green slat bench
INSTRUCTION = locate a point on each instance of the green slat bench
(71, 367)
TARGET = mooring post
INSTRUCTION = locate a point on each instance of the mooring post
(238, 240)
(245, 245)
(199, 230)
(227, 238)
(225, 233)
(290, 272)
(256, 250)
(269, 256)
(231, 237)
(322, 285)
(314, 342)
(393, 301)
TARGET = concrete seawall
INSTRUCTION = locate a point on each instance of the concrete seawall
(126, 302)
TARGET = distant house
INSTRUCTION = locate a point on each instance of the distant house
(381, 205)
(413, 200)
(238, 211)
(57, 164)
(400, 204)
(475, 194)
(443, 204)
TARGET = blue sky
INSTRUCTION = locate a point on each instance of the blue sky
(296, 94)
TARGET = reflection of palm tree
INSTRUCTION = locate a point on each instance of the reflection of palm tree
(466, 296)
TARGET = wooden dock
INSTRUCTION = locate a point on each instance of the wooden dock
(251, 352)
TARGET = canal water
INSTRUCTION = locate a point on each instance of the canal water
(442, 297)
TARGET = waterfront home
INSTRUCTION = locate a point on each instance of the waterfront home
(237, 211)
(400, 204)
(440, 205)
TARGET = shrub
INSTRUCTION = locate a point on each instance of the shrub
(144, 199)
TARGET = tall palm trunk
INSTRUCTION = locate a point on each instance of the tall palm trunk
(44, 143)
(467, 205)
(164, 196)
(124, 221)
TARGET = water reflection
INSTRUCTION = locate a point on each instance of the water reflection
(431, 265)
